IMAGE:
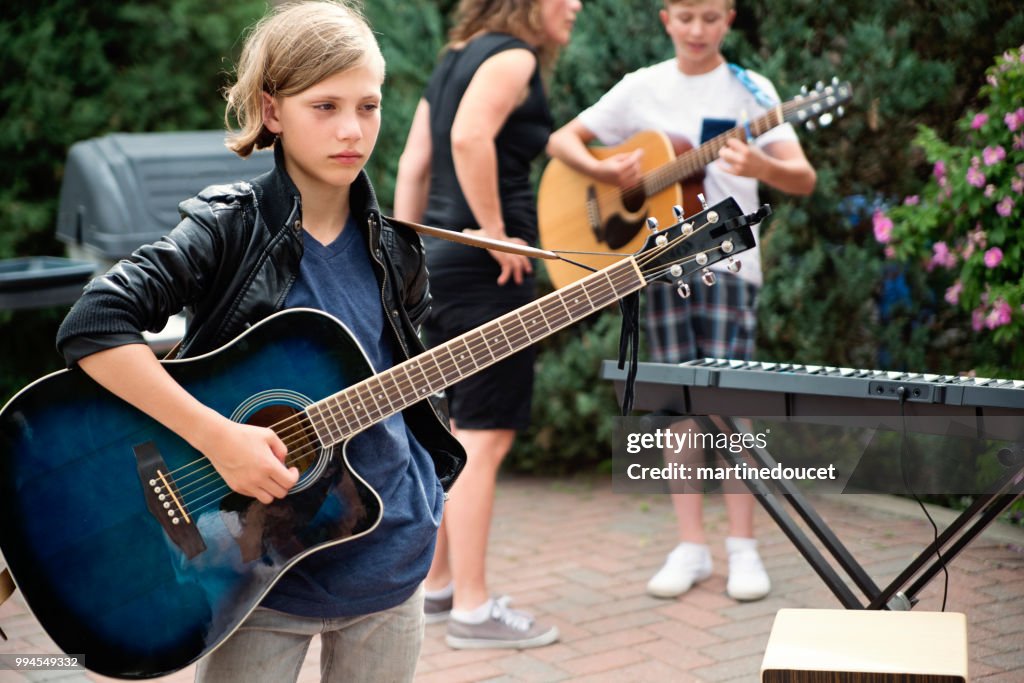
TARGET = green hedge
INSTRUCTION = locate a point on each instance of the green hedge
(79, 70)
(86, 69)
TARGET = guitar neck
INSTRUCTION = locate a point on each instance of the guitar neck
(693, 162)
(342, 415)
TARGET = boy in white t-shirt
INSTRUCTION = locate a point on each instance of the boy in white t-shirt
(694, 97)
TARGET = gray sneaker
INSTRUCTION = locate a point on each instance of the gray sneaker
(504, 628)
(436, 610)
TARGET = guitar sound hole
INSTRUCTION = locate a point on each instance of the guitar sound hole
(299, 437)
(633, 199)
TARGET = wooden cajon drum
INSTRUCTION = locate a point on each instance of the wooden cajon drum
(866, 646)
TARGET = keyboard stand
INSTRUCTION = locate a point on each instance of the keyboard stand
(896, 595)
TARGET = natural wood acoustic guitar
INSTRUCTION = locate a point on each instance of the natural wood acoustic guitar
(577, 213)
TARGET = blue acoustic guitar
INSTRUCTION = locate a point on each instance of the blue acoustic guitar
(128, 546)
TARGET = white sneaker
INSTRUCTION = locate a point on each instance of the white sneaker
(748, 579)
(687, 564)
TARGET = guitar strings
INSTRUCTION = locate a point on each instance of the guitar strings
(518, 336)
(662, 176)
(473, 344)
(298, 430)
(307, 450)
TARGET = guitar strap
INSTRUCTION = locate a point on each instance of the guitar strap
(473, 241)
(760, 95)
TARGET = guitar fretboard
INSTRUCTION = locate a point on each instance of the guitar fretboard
(692, 162)
(348, 412)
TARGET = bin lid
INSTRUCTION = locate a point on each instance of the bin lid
(40, 281)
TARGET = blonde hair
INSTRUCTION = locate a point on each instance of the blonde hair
(520, 18)
(288, 51)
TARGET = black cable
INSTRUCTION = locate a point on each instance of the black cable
(901, 393)
(629, 344)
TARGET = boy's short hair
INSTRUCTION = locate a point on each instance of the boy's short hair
(293, 48)
(729, 4)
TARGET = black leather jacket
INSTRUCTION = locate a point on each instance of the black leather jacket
(231, 262)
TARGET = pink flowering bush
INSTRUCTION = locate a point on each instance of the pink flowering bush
(965, 228)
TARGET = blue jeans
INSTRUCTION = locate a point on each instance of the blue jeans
(271, 646)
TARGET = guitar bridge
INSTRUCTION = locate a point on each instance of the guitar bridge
(164, 501)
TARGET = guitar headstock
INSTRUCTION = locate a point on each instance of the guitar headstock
(715, 234)
(815, 107)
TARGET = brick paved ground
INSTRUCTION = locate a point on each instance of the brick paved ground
(578, 555)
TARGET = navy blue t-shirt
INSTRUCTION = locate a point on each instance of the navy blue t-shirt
(382, 569)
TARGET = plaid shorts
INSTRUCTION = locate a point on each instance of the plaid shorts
(716, 322)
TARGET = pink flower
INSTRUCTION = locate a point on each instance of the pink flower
(978, 319)
(1018, 141)
(953, 293)
(992, 81)
(939, 170)
(883, 227)
(1005, 207)
(912, 200)
(993, 257)
(979, 120)
(990, 190)
(999, 315)
(1018, 185)
(975, 177)
(1014, 119)
(993, 155)
(889, 251)
(942, 256)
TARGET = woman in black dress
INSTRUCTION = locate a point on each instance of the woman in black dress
(483, 118)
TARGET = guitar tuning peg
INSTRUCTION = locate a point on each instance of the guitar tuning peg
(676, 270)
(683, 290)
(677, 211)
(810, 124)
(701, 258)
(708, 277)
(835, 80)
(734, 265)
(840, 110)
(652, 224)
(819, 86)
(825, 120)
(803, 90)
(703, 202)
(727, 246)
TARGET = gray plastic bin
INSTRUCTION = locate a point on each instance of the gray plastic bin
(122, 190)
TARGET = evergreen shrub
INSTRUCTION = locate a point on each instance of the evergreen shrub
(81, 70)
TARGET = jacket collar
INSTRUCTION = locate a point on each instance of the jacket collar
(281, 204)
